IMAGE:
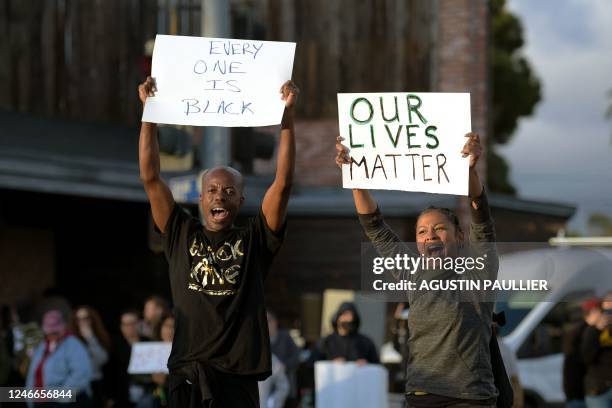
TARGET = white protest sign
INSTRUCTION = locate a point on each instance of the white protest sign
(149, 357)
(405, 141)
(347, 385)
(218, 82)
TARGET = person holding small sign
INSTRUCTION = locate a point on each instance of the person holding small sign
(221, 345)
(449, 363)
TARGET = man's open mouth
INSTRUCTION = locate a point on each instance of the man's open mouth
(435, 249)
(219, 213)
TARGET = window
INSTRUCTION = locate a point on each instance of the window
(547, 336)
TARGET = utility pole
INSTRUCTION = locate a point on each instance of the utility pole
(214, 150)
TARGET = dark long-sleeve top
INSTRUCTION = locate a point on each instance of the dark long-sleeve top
(285, 349)
(574, 368)
(597, 353)
(352, 347)
(449, 333)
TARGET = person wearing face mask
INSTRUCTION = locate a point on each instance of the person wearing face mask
(346, 343)
(60, 361)
(449, 362)
(597, 353)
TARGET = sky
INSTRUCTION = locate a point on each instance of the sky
(563, 152)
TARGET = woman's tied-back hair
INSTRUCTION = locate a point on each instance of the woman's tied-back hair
(450, 214)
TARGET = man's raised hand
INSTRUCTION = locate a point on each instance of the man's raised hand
(146, 89)
(289, 93)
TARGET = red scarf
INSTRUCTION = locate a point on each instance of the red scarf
(38, 373)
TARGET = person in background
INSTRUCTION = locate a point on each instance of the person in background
(511, 366)
(26, 336)
(90, 329)
(164, 332)
(574, 369)
(346, 343)
(154, 308)
(60, 361)
(125, 389)
(284, 348)
(7, 356)
(597, 353)
(273, 391)
(217, 270)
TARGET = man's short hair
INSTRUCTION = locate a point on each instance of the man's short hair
(228, 169)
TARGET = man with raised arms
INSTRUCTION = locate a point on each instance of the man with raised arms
(221, 346)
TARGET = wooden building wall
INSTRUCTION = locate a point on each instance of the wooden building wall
(82, 59)
(75, 59)
(353, 46)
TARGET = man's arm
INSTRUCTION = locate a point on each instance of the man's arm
(160, 196)
(276, 199)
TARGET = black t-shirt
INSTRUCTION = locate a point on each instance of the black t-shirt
(217, 282)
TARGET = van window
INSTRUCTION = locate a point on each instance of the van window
(547, 337)
(516, 306)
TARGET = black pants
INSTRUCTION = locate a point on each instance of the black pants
(233, 392)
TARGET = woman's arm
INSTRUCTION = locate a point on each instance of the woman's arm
(384, 239)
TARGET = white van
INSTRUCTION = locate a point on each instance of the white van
(535, 326)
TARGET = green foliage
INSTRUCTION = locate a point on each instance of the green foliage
(498, 173)
(600, 225)
(516, 89)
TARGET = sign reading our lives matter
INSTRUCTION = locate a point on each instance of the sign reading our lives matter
(218, 82)
(405, 141)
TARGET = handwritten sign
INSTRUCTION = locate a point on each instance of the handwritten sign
(405, 141)
(347, 385)
(218, 82)
(149, 357)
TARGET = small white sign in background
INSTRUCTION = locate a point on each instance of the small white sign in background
(347, 385)
(149, 357)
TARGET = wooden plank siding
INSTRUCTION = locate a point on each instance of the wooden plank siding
(82, 59)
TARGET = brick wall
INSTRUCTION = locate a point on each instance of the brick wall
(460, 63)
